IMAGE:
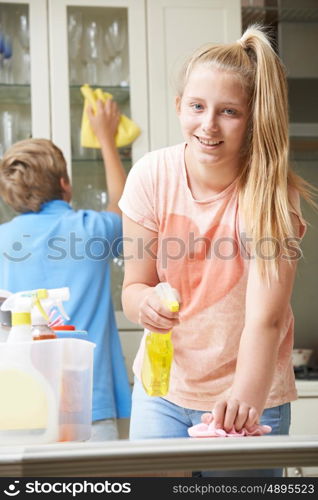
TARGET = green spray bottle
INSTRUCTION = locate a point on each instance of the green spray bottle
(158, 353)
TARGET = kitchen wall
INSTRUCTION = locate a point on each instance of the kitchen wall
(305, 296)
(297, 42)
(294, 29)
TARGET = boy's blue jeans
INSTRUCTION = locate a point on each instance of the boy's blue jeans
(154, 418)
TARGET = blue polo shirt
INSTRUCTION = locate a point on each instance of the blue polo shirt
(59, 247)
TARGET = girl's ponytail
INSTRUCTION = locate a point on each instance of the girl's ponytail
(264, 178)
(270, 103)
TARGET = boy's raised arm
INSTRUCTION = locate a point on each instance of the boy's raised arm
(104, 124)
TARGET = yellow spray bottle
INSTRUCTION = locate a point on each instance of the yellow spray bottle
(158, 354)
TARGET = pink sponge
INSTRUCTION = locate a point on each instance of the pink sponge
(207, 429)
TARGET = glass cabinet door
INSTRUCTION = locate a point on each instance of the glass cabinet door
(22, 115)
(101, 43)
(98, 55)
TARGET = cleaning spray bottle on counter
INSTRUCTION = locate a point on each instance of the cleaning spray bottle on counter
(29, 409)
(46, 299)
(158, 354)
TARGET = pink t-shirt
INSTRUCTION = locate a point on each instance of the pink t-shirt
(201, 253)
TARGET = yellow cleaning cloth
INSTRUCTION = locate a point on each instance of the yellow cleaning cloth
(127, 131)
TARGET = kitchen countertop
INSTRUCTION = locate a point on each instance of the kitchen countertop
(125, 458)
(128, 458)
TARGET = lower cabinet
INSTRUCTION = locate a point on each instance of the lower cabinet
(304, 420)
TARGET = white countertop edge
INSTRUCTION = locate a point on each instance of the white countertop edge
(125, 457)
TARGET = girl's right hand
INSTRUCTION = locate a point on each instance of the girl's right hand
(154, 316)
(232, 412)
(106, 119)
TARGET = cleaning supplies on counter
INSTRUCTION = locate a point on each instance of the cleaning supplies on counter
(41, 330)
(158, 353)
(45, 387)
(40, 318)
(29, 411)
(127, 131)
(34, 302)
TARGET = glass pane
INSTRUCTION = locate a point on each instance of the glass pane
(98, 55)
(98, 46)
(15, 94)
(14, 44)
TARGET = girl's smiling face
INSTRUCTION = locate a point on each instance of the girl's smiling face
(213, 113)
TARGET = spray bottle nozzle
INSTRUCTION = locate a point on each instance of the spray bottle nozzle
(168, 296)
(24, 302)
(57, 297)
(39, 295)
(21, 305)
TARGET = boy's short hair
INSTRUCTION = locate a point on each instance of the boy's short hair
(30, 174)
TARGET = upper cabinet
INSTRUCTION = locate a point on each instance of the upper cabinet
(24, 75)
(103, 43)
(294, 29)
(175, 29)
(24, 71)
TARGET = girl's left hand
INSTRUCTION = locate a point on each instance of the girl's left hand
(234, 413)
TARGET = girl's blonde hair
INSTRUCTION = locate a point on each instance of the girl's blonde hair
(266, 177)
(30, 174)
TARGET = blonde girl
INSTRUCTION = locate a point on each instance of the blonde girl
(218, 217)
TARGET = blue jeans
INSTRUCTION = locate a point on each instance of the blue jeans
(154, 418)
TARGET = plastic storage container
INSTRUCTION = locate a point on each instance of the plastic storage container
(64, 369)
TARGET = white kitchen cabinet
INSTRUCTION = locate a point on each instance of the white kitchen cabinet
(158, 34)
(175, 29)
(23, 27)
(24, 90)
(131, 13)
(304, 420)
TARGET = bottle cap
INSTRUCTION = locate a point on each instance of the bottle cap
(168, 295)
(63, 327)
